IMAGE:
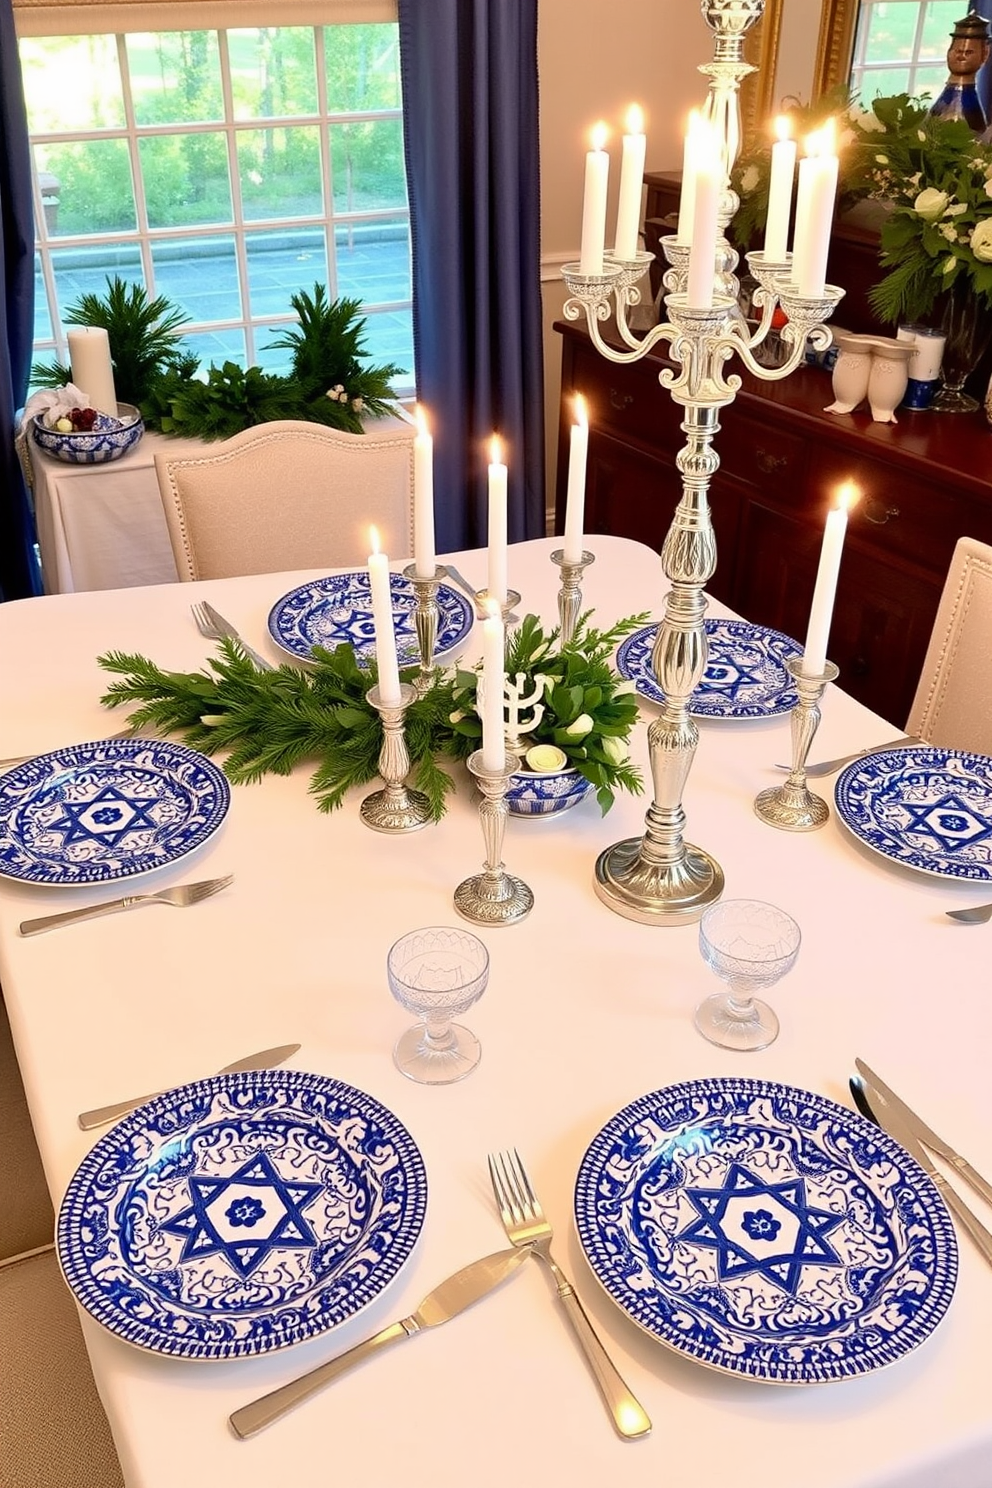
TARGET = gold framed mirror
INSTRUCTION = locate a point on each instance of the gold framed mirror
(835, 44)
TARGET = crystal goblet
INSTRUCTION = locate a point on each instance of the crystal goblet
(437, 973)
(750, 945)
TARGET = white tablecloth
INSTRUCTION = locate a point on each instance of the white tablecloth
(584, 1012)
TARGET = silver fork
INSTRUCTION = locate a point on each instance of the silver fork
(210, 623)
(181, 896)
(525, 1224)
(830, 767)
(978, 914)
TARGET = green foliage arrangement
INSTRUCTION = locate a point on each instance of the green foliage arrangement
(270, 722)
(937, 179)
(331, 381)
(589, 710)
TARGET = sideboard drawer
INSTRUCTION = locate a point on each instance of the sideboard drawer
(759, 455)
(627, 401)
(910, 518)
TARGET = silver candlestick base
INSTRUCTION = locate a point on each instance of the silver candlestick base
(493, 897)
(425, 618)
(506, 608)
(395, 808)
(793, 807)
(570, 592)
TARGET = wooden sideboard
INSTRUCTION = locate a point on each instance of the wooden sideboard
(926, 481)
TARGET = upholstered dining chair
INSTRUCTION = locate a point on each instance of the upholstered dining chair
(288, 494)
(953, 703)
(53, 1431)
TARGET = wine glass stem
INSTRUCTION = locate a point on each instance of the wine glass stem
(438, 1034)
(742, 1008)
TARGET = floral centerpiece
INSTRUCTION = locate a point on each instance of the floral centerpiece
(937, 180)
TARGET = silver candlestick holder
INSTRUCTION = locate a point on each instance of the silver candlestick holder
(395, 808)
(507, 608)
(660, 879)
(792, 806)
(493, 897)
(570, 591)
(425, 618)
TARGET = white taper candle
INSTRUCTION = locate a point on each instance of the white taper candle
(424, 556)
(497, 525)
(708, 183)
(594, 204)
(382, 618)
(631, 181)
(783, 173)
(825, 589)
(493, 681)
(575, 499)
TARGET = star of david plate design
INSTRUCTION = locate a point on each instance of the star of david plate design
(112, 809)
(765, 1231)
(923, 807)
(339, 608)
(745, 674)
(241, 1214)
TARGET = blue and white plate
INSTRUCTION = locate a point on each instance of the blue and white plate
(765, 1231)
(745, 674)
(329, 611)
(924, 807)
(241, 1214)
(107, 810)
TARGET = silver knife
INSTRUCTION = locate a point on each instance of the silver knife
(926, 1133)
(873, 1105)
(227, 629)
(265, 1059)
(468, 1285)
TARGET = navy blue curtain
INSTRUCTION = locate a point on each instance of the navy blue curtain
(984, 80)
(19, 576)
(469, 70)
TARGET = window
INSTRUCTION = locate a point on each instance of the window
(225, 169)
(901, 46)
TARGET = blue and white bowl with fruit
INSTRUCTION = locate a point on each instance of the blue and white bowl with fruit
(546, 784)
(84, 436)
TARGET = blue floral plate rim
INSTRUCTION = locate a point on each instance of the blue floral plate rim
(135, 1264)
(92, 847)
(289, 615)
(763, 699)
(939, 837)
(845, 1189)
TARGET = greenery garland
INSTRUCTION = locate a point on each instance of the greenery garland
(268, 722)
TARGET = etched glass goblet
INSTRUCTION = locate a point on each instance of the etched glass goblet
(437, 973)
(750, 945)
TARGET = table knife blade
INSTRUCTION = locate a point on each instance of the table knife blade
(465, 1287)
(926, 1133)
(871, 1104)
(264, 1059)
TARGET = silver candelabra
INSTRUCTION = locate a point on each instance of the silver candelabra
(660, 879)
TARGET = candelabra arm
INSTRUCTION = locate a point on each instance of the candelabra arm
(639, 346)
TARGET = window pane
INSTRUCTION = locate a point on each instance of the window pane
(882, 84)
(217, 347)
(367, 168)
(42, 319)
(363, 68)
(373, 260)
(891, 33)
(91, 182)
(280, 263)
(186, 179)
(175, 77)
(80, 271)
(280, 173)
(71, 82)
(273, 72)
(938, 23)
(389, 338)
(929, 80)
(200, 275)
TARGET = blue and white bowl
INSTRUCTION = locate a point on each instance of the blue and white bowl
(107, 440)
(530, 794)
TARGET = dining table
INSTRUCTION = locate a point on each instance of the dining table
(585, 1012)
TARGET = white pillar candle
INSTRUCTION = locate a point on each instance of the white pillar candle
(631, 181)
(497, 525)
(822, 609)
(92, 371)
(575, 500)
(594, 204)
(708, 182)
(493, 681)
(424, 556)
(780, 193)
(382, 618)
(687, 196)
(814, 212)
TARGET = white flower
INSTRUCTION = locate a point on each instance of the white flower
(921, 136)
(930, 204)
(981, 241)
(988, 187)
(750, 178)
(358, 404)
(212, 720)
(882, 159)
(948, 265)
(949, 231)
(615, 750)
(956, 209)
(915, 178)
(583, 725)
(457, 716)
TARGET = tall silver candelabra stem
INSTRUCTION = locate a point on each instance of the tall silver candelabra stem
(792, 805)
(395, 808)
(660, 879)
(570, 591)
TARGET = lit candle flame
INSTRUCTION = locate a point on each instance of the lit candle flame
(599, 135)
(783, 127)
(581, 415)
(635, 119)
(374, 539)
(848, 495)
(495, 451)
